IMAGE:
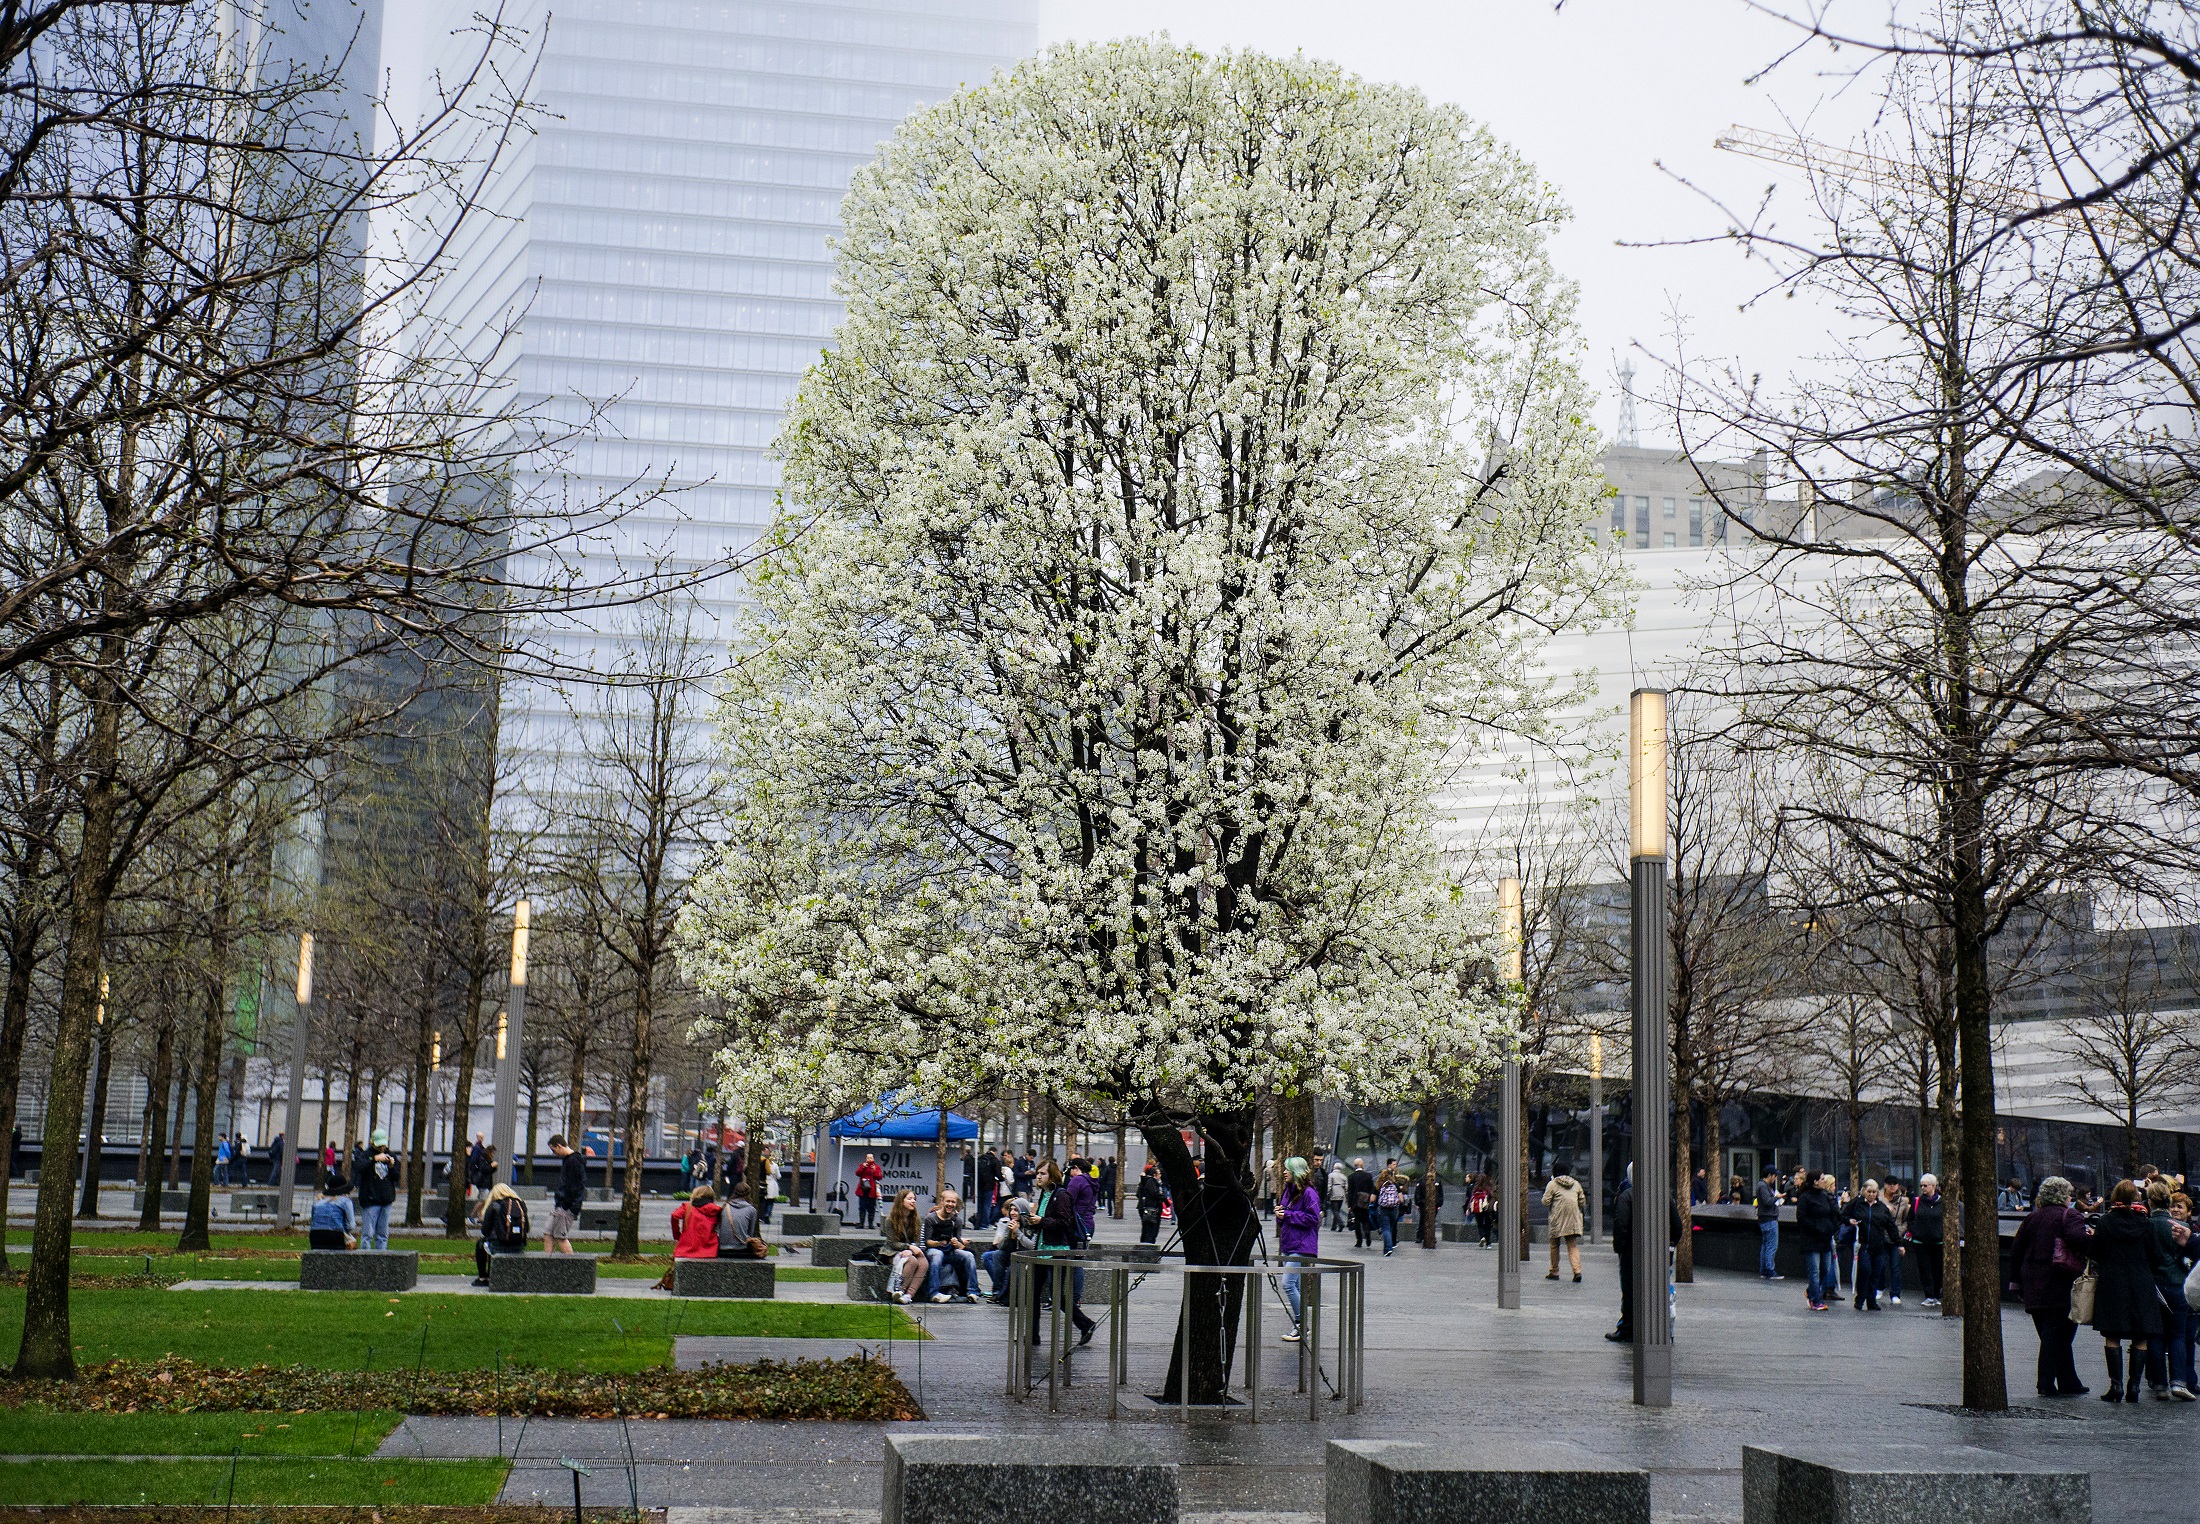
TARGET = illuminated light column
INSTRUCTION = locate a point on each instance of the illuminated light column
(1653, 1181)
(287, 1166)
(511, 1032)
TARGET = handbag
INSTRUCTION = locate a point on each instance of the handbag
(2064, 1260)
(2081, 1296)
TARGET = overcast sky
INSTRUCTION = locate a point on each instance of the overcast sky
(1597, 94)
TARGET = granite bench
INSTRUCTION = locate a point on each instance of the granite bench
(808, 1224)
(724, 1277)
(866, 1281)
(242, 1203)
(170, 1201)
(359, 1270)
(1952, 1484)
(836, 1249)
(544, 1274)
(991, 1479)
(1382, 1481)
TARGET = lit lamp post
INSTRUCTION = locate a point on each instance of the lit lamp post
(1596, 1137)
(1653, 1183)
(1510, 1183)
(287, 1167)
(505, 1121)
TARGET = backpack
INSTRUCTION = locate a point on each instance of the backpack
(506, 1224)
(1389, 1195)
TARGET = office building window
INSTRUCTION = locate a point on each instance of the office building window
(1642, 522)
(1695, 521)
(1668, 507)
(1619, 515)
(1669, 539)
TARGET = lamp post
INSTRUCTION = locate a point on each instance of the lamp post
(511, 1028)
(287, 1167)
(1596, 1137)
(1510, 1183)
(1653, 1183)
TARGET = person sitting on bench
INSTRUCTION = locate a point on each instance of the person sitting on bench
(335, 1221)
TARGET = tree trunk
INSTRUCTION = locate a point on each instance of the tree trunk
(939, 1187)
(1218, 1224)
(1684, 1171)
(1429, 1234)
(96, 1124)
(1122, 1143)
(1985, 1384)
(351, 1134)
(197, 1235)
(15, 1022)
(1951, 1174)
(174, 1166)
(462, 1099)
(1295, 1125)
(1856, 1144)
(421, 1100)
(629, 1241)
(1714, 1156)
(46, 1352)
(156, 1123)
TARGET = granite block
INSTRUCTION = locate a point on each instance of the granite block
(359, 1270)
(866, 1281)
(243, 1202)
(836, 1249)
(544, 1274)
(1011, 1479)
(723, 1277)
(1383, 1481)
(808, 1224)
(170, 1201)
(1901, 1483)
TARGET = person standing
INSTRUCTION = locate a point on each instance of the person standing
(1152, 1195)
(1360, 1197)
(1084, 1199)
(566, 1196)
(1875, 1246)
(2050, 1250)
(1768, 1224)
(1898, 1207)
(1335, 1189)
(1566, 1202)
(1391, 1195)
(1058, 1229)
(1927, 1232)
(221, 1161)
(2183, 1318)
(988, 1203)
(275, 1160)
(1623, 1246)
(1298, 1231)
(377, 1181)
(868, 1175)
(480, 1176)
(2126, 1305)
(1025, 1174)
(2165, 1376)
(1817, 1221)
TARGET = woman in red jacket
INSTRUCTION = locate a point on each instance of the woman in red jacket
(868, 1175)
(695, 1225)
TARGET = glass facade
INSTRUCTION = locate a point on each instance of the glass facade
(663, 241)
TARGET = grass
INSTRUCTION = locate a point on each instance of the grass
(34, 1430)
(257, 1481)
(334, 1330)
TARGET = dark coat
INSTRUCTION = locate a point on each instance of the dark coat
(1928, 1218)
(1151, 1193)
(2044, 1287)
(1058, 1225)
(2126, 1304)
(1817, 1219)
(1876, 1230)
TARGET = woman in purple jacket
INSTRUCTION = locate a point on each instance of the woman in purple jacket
(2045, 1284)
(1298, 1230)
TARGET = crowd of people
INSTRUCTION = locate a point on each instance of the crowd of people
(2128, 1268)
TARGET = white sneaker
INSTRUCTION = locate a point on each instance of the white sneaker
(1931, 1301)
(941, 1296)
(1897, 1301)
(1292, 1337)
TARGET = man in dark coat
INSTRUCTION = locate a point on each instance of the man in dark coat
(1359, 1191)
(989, 1188)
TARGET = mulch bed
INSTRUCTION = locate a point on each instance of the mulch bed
(858, 1388)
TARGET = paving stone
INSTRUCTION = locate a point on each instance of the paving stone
(723, 1277)
(1384, 1481)
(358, 1270)
(1903, 1483)
(543, 1274)
(991, 1479)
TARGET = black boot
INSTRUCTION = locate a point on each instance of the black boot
(2114, 1354)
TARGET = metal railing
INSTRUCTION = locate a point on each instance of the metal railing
(1126, 1273)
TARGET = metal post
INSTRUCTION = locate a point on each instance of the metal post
(1653, 1183)
(1510, 1185)
(287, 1166)
(511, 1029)
(1596, 1137)
(1252, 1344)
(1310, 1340)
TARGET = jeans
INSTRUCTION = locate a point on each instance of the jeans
(221, 1171)
(1822, 1276)
(374, 1226)
(996, 1267)
(1388, 1217)
(964, 1265)
(1892, 1285)
(1768, 1248)
(866, 1212)
(2181, 1339)
(1291, 1286)
(1874, 1273)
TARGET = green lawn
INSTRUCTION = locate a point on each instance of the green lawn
(335, 1329)
(328, 1482)
(34, 1430)
(224, 1264)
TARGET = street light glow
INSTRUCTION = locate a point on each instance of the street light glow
(1646, 753)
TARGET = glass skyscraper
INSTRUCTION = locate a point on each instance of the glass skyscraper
(663, 235)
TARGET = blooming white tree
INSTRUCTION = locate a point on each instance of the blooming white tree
(1202, 462)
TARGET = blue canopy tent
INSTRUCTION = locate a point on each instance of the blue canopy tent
(893, 1120)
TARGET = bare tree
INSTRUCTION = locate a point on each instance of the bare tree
(2131, 1047)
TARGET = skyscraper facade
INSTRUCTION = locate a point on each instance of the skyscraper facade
(656, 273)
